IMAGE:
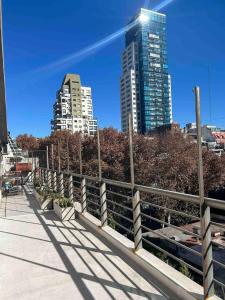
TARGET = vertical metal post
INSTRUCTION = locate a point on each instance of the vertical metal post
(48, 171)
(45, 176)
(102, 185)
(136, 205)
(80, 154)
(135, 194)
(32, 159)
(55, 181)
(71, 187)
(49, 177)
(99, 157)
(103, 204)
(59, 158)
(68, 155)
(35, 163)
(61, 184)
(83, 180)
(47, 158)
(131, 151)
(207, 259)
(32, 177)
(83, 195)
(42, 177)
(52, 152)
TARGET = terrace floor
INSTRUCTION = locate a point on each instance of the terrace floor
(43, 258)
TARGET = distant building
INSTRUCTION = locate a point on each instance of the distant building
(73, 108)
(15, 156)
(145, 85)
(173, 127)
(213, 137)
(190, 126)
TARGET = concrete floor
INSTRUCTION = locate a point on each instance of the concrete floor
(43, 258)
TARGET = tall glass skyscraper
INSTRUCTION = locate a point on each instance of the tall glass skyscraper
(145, 81)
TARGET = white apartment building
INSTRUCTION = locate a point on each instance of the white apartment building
(128, 89)
(73, 108)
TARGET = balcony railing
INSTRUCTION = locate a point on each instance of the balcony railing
(125, 207)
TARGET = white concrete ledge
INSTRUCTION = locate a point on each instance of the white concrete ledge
(171, 281)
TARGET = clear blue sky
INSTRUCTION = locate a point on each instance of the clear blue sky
(39, 32)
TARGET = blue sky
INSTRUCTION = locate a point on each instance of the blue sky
(39, 32)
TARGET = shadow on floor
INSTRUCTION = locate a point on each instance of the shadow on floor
(95, 253)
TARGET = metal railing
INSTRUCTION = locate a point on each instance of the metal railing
(136, 211)
(123, 206)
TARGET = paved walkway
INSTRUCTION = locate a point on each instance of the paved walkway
(42, 258)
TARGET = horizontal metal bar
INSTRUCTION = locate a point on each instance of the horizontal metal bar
(120, 205)
(217, 244)
(219, 282)
(170, 194)
(173, 256)
(73, 174)
(214, 203)
(172, 241)
(118, 214)
(96, 179)
(94, 203)
(118, 194)
(94, 210)
(117, 183)
(170, 209)
(218, 224)
(219, 263)
(77, 187)
(171, 225)
(92, 186)
(91, 194)
(78, 182)
(121, 226)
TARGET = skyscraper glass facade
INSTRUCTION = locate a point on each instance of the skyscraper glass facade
(153, 86)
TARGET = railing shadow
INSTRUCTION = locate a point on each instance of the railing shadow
(106, 255)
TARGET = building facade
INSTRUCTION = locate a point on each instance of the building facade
(73, 108)
(145, 87)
